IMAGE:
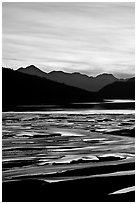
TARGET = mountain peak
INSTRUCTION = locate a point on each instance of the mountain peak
(56, 72)
(31, 67)
(32, 70)
(105, 75)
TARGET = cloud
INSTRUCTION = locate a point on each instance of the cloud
(86, 37)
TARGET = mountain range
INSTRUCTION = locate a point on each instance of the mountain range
(88, 83)
(31, 86)
(19, 89)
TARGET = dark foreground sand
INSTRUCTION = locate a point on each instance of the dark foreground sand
(82, 190)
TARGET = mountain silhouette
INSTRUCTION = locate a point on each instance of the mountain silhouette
(20, 89)
(124, 89)
(32, 70)
(92, 84)
(102, 80)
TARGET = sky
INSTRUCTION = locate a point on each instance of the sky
(90, 38)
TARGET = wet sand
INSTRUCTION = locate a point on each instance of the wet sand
(43, 161)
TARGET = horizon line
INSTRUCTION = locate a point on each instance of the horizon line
(75, 72)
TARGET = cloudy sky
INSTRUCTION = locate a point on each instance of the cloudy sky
(90, 38)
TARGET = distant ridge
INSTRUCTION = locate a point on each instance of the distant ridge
(124, 89)
(19, 89)
(82, 81)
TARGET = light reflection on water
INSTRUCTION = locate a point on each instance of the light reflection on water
(120, 101)
(106, 107)
(110, 101)
(76, 111)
